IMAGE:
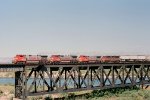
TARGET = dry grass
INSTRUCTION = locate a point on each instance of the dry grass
(7, 74)
(7, 92)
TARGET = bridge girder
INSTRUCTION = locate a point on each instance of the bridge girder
(48, 79)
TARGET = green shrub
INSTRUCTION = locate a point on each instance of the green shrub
(147, 95)
(35, 98)
(1, 92)
(87, 95)
(120, 93)
(48, 98)
(71, 96)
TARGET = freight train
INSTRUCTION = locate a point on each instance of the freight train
(72, 59)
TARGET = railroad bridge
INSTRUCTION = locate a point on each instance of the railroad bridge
(32, 80)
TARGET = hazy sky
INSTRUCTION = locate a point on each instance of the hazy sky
(74, 26)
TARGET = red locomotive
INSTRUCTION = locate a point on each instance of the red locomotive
(108, 59)
(83, 59)
(62, 59)
(54, 59)
(29, 59)
(68, 59)
(19, 59)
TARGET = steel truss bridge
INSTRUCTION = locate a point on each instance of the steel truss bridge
(32, 80)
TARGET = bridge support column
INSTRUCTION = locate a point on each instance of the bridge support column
(79, 76)
(142, 77)
(18, 84)
(113, 76)
(35, 84)
(102, 77)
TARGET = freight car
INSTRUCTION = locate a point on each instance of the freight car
(133, 58)
(147, 58)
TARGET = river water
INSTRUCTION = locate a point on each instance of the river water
(95, 82)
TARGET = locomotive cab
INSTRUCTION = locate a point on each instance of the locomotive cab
(55, 59)
(19, 59)
(83, 59)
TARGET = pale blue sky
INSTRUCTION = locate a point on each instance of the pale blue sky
(74, 26)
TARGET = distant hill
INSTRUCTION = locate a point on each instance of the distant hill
(5, 60)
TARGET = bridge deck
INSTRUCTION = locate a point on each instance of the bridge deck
(11, 67)
(20, 67)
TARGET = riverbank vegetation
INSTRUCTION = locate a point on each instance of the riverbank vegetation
(126, 93)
